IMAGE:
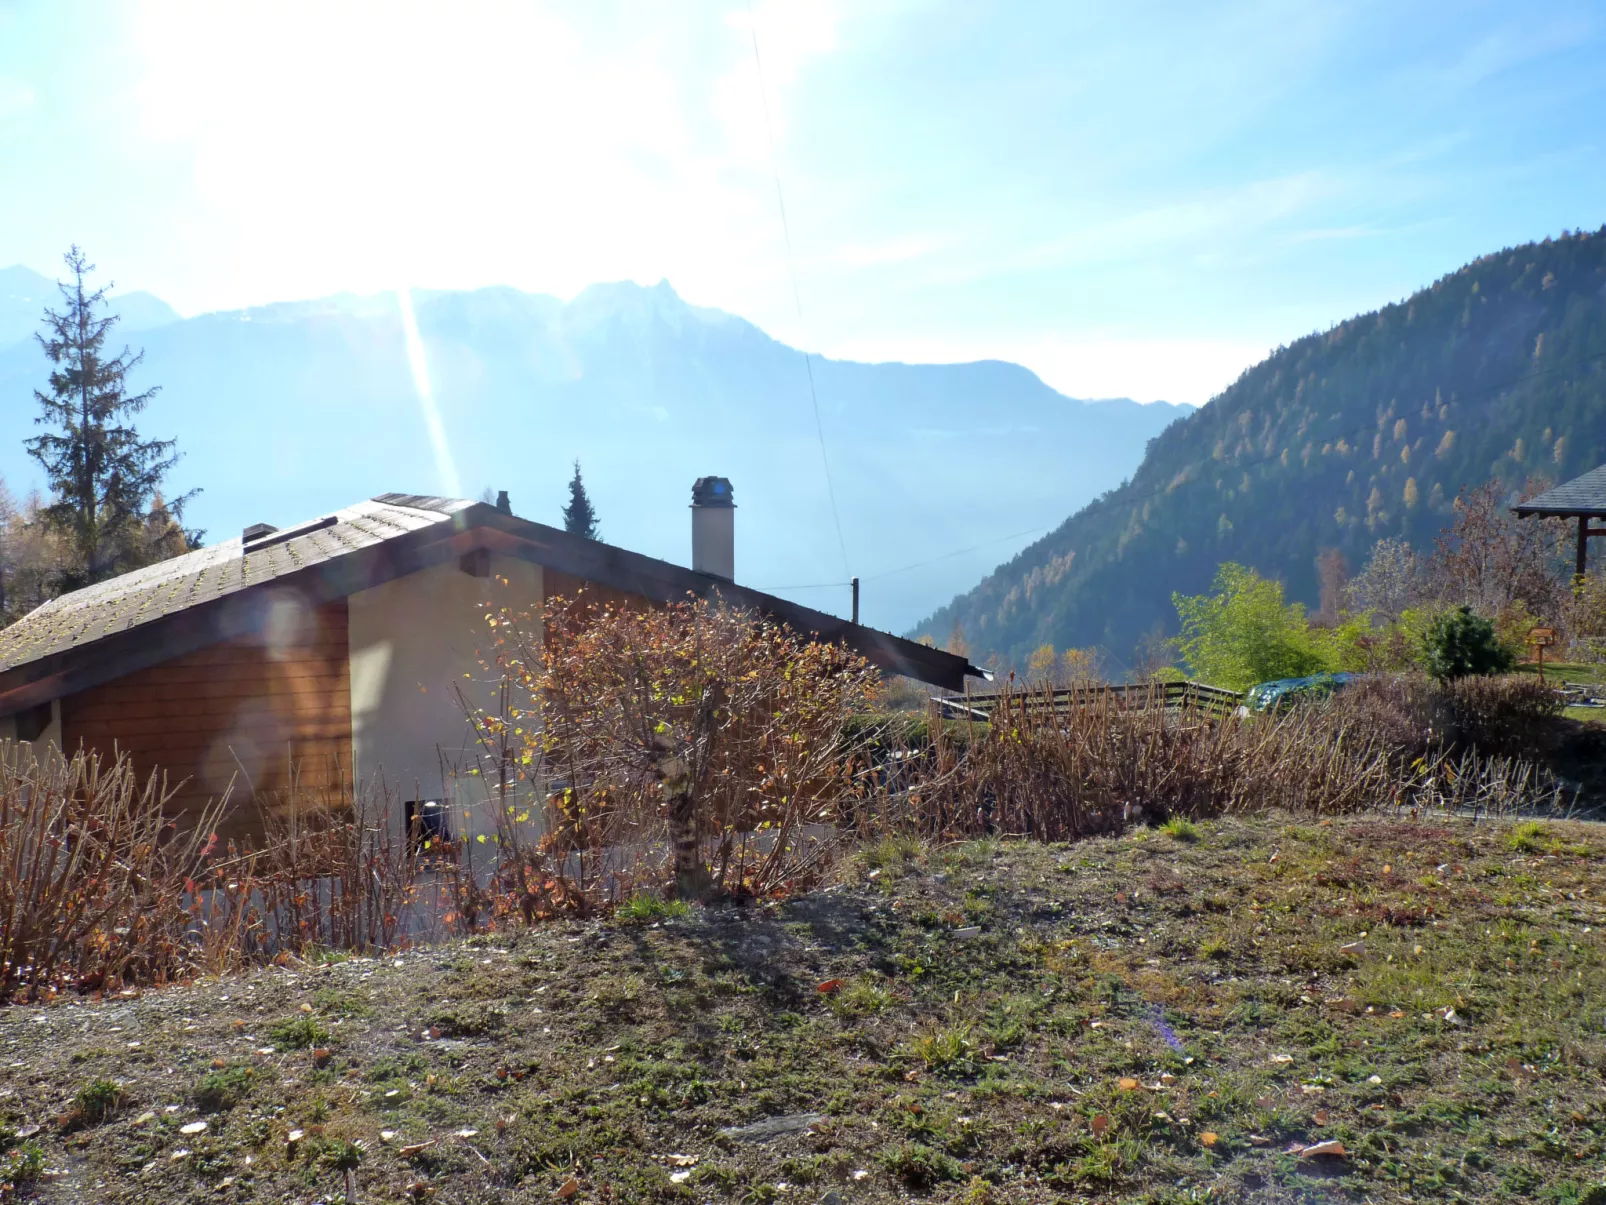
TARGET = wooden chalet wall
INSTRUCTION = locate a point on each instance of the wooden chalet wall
(246, 710)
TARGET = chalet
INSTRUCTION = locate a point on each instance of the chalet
(333, 649)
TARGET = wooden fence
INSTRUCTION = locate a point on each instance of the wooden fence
(1173, 696)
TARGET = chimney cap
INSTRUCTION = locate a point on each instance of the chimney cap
(256, 531)
(712, 491)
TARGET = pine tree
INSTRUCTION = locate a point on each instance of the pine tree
(105, 480)
(579, 517)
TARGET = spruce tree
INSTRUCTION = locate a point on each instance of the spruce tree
(579, 517)
(105, 480)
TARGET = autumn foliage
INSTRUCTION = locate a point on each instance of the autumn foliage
(691, 745)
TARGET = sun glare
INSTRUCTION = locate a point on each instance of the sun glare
(445, 466)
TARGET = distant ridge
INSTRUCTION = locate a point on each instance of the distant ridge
(24, 295)
(288, 410)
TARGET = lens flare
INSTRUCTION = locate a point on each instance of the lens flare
(445, 466)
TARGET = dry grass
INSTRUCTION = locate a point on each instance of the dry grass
(1130, 1018)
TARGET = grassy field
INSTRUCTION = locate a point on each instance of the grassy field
(1167, 1016)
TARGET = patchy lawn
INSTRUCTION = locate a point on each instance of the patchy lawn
(1160, 1017)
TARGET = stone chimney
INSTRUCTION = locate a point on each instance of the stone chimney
(713, 528)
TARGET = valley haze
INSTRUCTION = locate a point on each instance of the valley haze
(288, 411)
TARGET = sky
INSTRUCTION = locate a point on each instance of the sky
(1129, 198)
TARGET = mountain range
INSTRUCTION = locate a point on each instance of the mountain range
(287, 411)
(1347, 436)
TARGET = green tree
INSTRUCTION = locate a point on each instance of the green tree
(579, 516)
(1245, 632)
(1460, 643)
(104, 479)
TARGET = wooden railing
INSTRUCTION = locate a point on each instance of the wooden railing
(1173, 696)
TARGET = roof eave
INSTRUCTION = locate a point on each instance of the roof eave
(467, 529)
(1560, 512)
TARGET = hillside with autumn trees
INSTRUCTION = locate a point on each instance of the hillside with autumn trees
(1363, 432)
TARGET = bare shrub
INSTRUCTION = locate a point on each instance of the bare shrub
(1490, 560)
(330, 873)
(1099, 767)
(1096, 767)
(1510, 715)
(100, 889)
(1504, 715)
(92, 875)
(690, 744)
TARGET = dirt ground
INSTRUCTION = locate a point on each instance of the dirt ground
(1270, 1010)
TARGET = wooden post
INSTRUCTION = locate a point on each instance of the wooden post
(1583, 545)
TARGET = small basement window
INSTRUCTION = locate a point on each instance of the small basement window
(32, 722)
(428, 825)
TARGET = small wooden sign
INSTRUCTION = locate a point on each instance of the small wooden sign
(1542, 637)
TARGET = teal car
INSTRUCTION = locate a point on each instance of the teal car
(1268, 696)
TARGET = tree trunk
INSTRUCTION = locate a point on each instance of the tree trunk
(692, 880)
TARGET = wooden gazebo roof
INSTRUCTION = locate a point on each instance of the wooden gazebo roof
(1584, 495)
(1582, 498)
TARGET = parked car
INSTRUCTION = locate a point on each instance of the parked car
(1268, 696)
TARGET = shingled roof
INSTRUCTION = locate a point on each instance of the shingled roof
(213, 594)
(123, 603)
(1584, 495)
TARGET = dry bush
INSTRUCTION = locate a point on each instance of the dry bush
(92, 875)
(100, 889)
(329, 873)
(1509, 715)
(690, 744)
(1505, 715)
(1098, 767)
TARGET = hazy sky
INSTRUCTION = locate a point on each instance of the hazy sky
(1129, 198)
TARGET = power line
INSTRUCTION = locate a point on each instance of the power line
(947, 556)
(797, 297)
(809, 586)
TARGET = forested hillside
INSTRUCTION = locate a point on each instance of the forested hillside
(1364, 431)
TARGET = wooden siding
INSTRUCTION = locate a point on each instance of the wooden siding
(238, 710)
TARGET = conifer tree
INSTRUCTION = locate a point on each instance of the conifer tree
(579, 517)
(105, 480)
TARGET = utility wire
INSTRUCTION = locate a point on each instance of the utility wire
(809, 586)
(947, 556)
(797, 297)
